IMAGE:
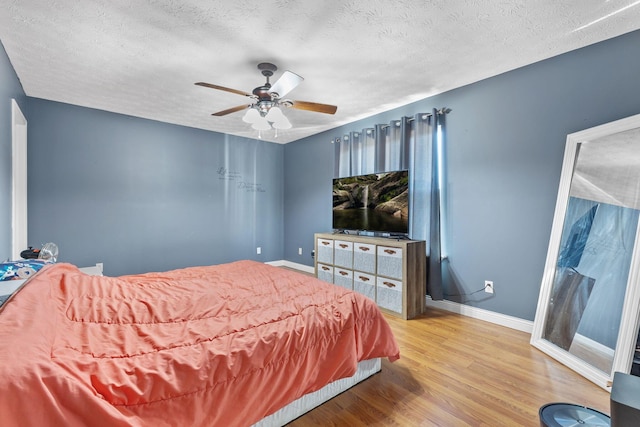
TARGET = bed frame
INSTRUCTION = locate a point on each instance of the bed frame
(306, 403)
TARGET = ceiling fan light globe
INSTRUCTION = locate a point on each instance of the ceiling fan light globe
(274, 114)
(251, 116)
(261, 124)
(283, 123)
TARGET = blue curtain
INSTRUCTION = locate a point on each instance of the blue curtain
(362, 151)
(426, 195)
(413, 143)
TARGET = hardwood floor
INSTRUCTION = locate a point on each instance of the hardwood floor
(458, 371)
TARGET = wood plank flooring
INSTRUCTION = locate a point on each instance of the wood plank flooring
(458, 371)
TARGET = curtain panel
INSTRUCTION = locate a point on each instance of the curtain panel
(414, 144)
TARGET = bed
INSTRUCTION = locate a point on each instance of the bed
(227, 345)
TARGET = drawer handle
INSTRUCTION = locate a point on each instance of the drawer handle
(389, 284)
(342, 245)
(390, 251)
(363, 278)
(343, 273)
(325, 243)
(325, 268)
(364, 248)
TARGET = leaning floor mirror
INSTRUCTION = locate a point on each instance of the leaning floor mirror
(587, 313)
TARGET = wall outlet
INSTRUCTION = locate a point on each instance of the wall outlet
(258, 250)
(299, 251)
(488, 286)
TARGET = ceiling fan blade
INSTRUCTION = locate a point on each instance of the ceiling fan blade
(314, 106)
(231, 110)
(286, 83)
(226, 89)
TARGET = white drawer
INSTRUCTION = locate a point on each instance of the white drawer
(325, 272)
(343, 253)
(364, 284)
(325, 251)
(343, 277)
(389, 294)
(364, 257)
(390, 262)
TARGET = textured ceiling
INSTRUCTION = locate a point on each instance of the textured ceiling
(142, 58)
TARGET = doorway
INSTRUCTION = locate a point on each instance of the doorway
(18, 181)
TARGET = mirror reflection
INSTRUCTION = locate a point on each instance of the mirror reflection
(591, 279)
(596, 248)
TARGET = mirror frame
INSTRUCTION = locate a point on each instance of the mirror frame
(628, 332)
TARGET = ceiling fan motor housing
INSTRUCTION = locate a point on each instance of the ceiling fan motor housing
(265, 99)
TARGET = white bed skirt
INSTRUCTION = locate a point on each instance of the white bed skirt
(295, 409)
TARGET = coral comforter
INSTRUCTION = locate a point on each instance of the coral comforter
(202, 346)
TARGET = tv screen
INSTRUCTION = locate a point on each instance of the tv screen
(376, 202)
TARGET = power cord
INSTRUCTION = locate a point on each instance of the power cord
(464, 295)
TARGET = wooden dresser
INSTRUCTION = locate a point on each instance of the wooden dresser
(391, 272)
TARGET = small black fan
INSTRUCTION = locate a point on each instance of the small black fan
(48, 252)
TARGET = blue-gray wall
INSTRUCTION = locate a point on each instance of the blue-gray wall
(141, 195)
(505, 143)
(10, 88)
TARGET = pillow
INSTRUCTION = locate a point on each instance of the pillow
(15, 270)
(14, 273)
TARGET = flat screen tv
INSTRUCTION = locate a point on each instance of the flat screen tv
(377, 202)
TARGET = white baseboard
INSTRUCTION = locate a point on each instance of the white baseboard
(482, 314)
(594, 346)
(295, 265)
(454, 307)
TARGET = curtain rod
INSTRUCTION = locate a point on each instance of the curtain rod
(441, 111)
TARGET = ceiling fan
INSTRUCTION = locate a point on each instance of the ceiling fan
(265, 98)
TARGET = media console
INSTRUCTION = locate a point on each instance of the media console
(391, 272)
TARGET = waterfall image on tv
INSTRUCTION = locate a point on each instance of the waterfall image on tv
(374, 202)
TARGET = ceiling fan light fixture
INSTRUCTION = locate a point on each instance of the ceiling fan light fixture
(282, 123)
(261, 124)
(275, 114)
(251, 116)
